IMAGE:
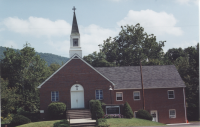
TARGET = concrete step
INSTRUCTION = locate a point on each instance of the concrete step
(82, 124)
(78, 114)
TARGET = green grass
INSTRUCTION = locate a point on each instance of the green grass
(40, 124)
(115, 122)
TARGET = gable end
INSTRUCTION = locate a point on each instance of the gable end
(75, 56)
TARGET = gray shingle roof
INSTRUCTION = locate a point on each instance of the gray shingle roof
(129, 77)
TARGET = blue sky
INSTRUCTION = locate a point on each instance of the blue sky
(46, 24)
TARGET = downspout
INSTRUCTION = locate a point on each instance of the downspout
(184, 104)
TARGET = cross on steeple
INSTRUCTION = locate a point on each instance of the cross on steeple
(74, 8)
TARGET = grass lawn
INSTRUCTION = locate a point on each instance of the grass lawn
(40, 124)
(115, 122)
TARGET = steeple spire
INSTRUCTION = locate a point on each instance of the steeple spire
(74, 23)
(75, 40)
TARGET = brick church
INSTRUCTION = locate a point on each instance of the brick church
(76, 83)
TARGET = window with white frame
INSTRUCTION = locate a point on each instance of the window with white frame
(54, 96)
(172, 113)
(136, 95)
(119, 96)
(99, 94)
(171, 94)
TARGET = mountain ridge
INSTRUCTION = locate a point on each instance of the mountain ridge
(48, 57)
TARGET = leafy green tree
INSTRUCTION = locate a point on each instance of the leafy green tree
(54, 67)
(98, 60)
(172, 54)
(25, 70)
(8, 98)
(133, 45)
(190, 75)
(187, 63)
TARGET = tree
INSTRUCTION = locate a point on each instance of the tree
(172, 54)
(8, 98)
(54, 67)
(98, 60)
(25, 70)
(187, 63)
(131, 46)
(190, 75)
(128, 113)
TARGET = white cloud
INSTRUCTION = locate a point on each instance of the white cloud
(10, 44)
(157, 23)
(188, 2)
(38, 26)
(92, 36)
(59, 47)
(185, 44)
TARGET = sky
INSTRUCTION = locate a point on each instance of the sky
(46, 24)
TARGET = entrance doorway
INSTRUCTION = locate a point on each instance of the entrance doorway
(77, 96)
(154, 114)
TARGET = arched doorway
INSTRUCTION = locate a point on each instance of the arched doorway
(77, 96)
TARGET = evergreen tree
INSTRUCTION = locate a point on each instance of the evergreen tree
(128, 113)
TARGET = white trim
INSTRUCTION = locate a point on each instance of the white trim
(184, 105)
(168, 94)
(67, 63)
(149, 88)
(133, 95)
(172, 116)
(55, 96)
(95, 94)
(122, 96)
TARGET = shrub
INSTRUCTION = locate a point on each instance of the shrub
(143, 114)
(128, 113)
(33, 116)
(92, 109)
(96, 109)
(7, 119)
(102, 122)
(62, 123)
(56, 110)
(19, 120)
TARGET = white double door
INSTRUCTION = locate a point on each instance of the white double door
(77, 99)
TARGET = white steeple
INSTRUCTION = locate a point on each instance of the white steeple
(75, 43)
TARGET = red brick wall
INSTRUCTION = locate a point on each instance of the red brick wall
(157, 99)
(77, 70)
(62, 81)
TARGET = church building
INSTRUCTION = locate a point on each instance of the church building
(76, 82)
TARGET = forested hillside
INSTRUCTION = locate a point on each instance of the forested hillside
(49, 58)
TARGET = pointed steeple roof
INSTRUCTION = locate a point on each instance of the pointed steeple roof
(74, 25)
